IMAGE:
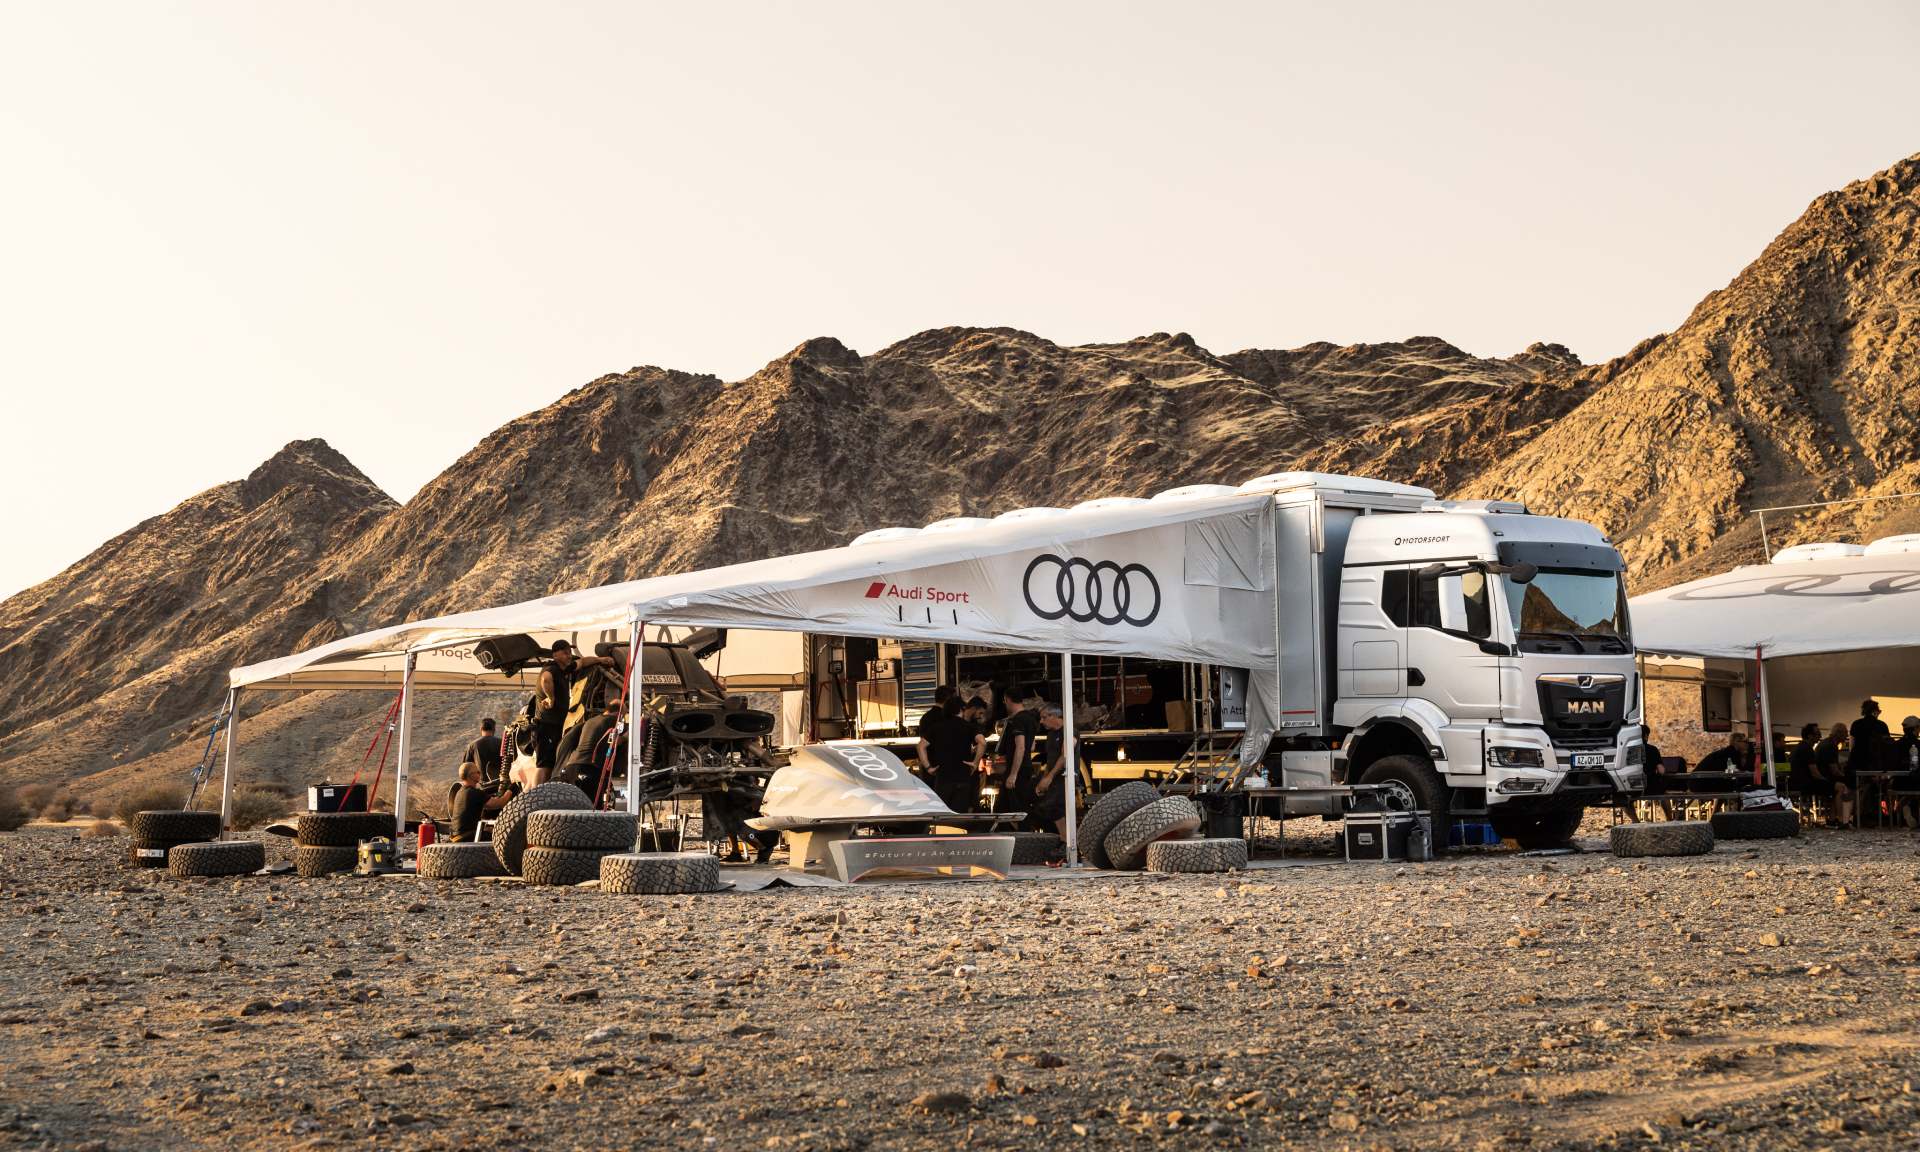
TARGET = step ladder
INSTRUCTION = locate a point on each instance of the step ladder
(1210, 758)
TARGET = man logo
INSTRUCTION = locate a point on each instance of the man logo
(1089, 592)
(1586, 707)
(1585, 681)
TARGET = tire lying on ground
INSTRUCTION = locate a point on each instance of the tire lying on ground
(1038, 848)
(171, 827)
(561, 867)
(1666, 838)
(1168, 816)
(316, 860)
(457, 861)
(219, 858)
(152, 854)
(659, 873)
(567, 828)
(1225, 855)
(510, 827)
(1775, 825)
(341, 829)
(1106, 814)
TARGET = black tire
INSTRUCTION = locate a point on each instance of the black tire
(1038, 848)
(1168, 816)
(314, 860)
(174, 826)
(457, 861)
(152, 854)
(1105, 815)
(1775, 825)
(659, 873)
(566, 828)
(1537, 830)
(510, 827)
(1222, 855)
(341, 829)
(218, 858)
(1663, 838)
(1411, 785)
(561, 867)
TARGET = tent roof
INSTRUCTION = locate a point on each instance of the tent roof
(764, 594)
(1795, 608)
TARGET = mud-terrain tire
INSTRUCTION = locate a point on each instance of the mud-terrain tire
(217, 858)
(566, 828)
(341, 829)
(1166, 817)
(1541, 830)
(659, 873)
(510, 827)
(456, 861)
(1105, 815)
(315, 860)
(1198, 855)
(1773, 825)
(1411, 785)
(1663, 838)
(1038, 848)
(171, 827)
(149, 854)
(561, 867)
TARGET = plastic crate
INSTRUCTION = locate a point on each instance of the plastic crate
(1466, 835)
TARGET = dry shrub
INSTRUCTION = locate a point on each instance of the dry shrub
(100, 829)
(12, 813)
(253, 807)
(63, 805)
(35, 797)
(150, 798)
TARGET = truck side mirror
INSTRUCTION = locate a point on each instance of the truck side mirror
(1523, 572)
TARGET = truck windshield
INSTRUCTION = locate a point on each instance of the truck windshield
(1570, 610)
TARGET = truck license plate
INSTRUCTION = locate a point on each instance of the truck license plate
(1589, 759)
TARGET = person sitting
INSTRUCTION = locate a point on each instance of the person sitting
(1655, 777)
(1906, 765)
(471, 804)
(1802, 778)
(1827, 760)
(1735, 760)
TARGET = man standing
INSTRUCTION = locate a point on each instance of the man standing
(1052, 789)
(928, 732)
(1871, 744)
(552, 699)
(954, 747)
(1017, 737)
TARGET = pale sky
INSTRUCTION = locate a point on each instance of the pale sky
(399, 225)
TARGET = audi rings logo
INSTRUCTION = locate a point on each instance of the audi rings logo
(1091, 591)
(1821, 584)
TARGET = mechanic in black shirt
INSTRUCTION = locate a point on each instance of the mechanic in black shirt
(1736, 760)
(1802, 780)
(928, 730)
(1052, 788)
(485, 751)
(470, 804)
(588, 757)
(1017, 738)
(953, 750)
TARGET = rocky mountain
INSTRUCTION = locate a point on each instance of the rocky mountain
(1796, 381)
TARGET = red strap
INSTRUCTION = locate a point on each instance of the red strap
(386, 726)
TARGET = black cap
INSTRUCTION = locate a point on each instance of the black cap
(562, 646)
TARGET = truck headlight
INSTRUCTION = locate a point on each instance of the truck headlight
(1636, 754)
(1509, 756)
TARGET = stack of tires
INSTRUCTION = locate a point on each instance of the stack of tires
(565, 846)
(157, 833)
(1134, 827)
(329, 842)
(510, 827)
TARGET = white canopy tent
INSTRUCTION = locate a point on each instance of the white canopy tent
(1798, 615)
(1185, 576)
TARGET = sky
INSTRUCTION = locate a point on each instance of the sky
(397, 226)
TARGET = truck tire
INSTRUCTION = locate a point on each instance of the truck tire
(1106, 814)
(217, 858)
(1773, 825)
(314, 861)
(172, 826)
(1038, 848)
(341, 829)
(567, 828)
(1199, 855)
(659, 873)
(456, 861)
(1539, 830)
(561, 867)
(1410, 784)
(1664, 838)
(510, 827)
(1168, 816)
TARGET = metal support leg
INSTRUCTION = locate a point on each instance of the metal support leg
(226, 768)
(635, 678)
(1766, 713)
(1069, 765)
(406, 752)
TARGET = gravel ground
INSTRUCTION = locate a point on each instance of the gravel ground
(1763, 997)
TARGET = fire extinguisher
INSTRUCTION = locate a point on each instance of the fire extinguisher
(428, 832)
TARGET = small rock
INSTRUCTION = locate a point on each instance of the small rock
(398, 1068)
(940, 1102)
(579, 995)
(1344, 1122)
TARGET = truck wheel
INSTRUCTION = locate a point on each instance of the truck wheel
(1540, 830)
(217, 858)
(456, 861)
(1771, 825)
(510, 827)
(1664, 838)
(1106, 814)
(1197, 856)
(1409, 784)
(1168, 816)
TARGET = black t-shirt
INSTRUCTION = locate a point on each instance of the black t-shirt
(1023, 723)
(1726, 760)
(486, 753)
(1800, 766)
(469, 805)
(1870, 736)
(949, 742)
(1826, 757)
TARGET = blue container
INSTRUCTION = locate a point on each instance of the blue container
(1466, 835)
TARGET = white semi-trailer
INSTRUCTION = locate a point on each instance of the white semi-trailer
(1466, 656)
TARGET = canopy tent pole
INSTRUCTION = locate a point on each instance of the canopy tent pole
(1766, 711)
(1068, 767)
(226, 768)
(406, 751)
(636, 674)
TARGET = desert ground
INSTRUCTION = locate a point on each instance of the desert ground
(1763, 997)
